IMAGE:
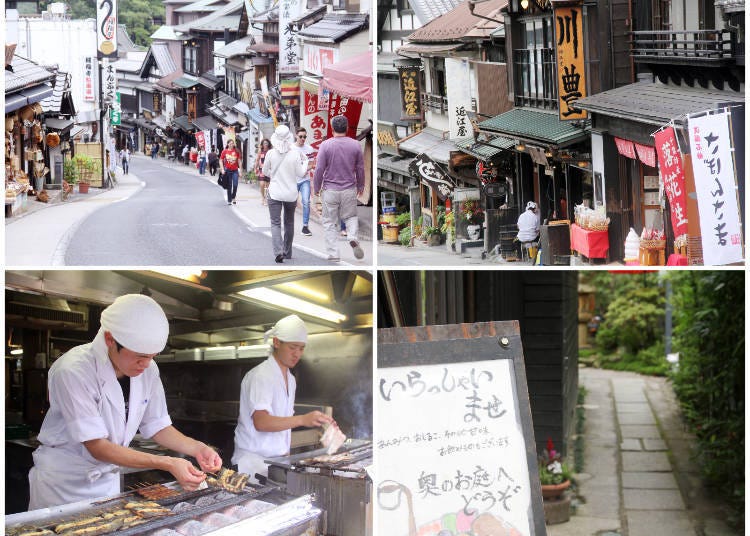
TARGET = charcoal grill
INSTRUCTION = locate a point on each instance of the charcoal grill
(342, 489)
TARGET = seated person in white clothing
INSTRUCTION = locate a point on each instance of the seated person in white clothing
(264, 427)
(528, 224)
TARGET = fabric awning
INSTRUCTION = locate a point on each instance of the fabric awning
(351, 77)
(532, 125)
(27, 96)
(205, 122)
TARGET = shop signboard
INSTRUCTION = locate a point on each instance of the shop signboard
(318, 57)
(411, 108)
(313, 119)
(716, 188)
(455, 446)
(571, 67)
(672, 176)
(457, 74)
(288, 47)
(115, 112)
(106, 29)
(109, 82)
(429, 172)
(340, 105)
(89, 79)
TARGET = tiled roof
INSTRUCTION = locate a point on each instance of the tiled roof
(225, 17)
(459, 22)
(257, 117)
(201, 6)
(25, 73)
(427, 10)
(164, 60)
(484, 150)
(335, 27)
(267, 48)
(166, 81)
(429, 141)
(532, 124)
(53, 102)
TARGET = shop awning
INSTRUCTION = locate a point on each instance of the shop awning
(27, 96)
(417, 48)
(205, 122)
(429, 141)
(257, 117)
(182, 122)
(351, 77)
(60, 125)
(185, 82)
(485, 150)
(532, 125)
(209, 81)
(657, 104)
(395, 165)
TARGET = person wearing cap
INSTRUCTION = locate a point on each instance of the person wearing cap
(339, 178)
(528, 223)
(283, 165)
(266, 419)
(100, 395)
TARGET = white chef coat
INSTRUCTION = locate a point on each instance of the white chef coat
(263, 389)
(528, 226)
(86, 402)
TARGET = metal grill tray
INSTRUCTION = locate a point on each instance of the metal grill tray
(358, 448)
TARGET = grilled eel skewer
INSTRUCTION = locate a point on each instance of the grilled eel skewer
(228, 480)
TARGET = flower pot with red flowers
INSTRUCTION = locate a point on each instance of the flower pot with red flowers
(554, 476)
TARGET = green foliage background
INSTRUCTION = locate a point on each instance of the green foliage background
(136, 15)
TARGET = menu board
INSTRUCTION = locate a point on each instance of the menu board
(455, 449)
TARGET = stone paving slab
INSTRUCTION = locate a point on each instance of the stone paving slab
(582, 524)
(665, 523)
(645, 461)
(642, 417)
(650, 480)
(654, 444)
(643, 431)
(632, 407)
(653, 499)
(631, 444)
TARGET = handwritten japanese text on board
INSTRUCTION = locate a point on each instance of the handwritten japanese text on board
(571, 68)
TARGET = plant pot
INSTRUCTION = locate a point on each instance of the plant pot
(473, 231)
(83, 187)
(390, 233)
(433, 240)
(554, 491)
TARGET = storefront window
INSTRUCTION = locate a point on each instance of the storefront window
(534, 65)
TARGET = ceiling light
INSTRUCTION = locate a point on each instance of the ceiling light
(16, 351)
(182, 273)
(305, 291)
(297, 305)
(525, 4)
(520, 147)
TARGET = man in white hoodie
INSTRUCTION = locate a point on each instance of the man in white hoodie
(283, 165)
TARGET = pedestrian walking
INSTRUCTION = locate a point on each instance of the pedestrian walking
(283, 164)
(185, 153)
(263, 180)
(154, 150)
(201, 160)
(213, 161)
(303, 182)
(125, 159)
(229, 163)
(339, 178)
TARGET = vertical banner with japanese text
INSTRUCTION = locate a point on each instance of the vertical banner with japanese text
(109, 82)
(673, 178)
(313, 119)
(89, 79)
(344, 106)
(455, 443)
(106, 29)
(571, 68)
(716, 188)
(457, 74)
(200, 138)
(115, 112)
(411, 108)
(288, 47)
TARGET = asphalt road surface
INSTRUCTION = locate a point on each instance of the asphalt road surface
(177, 219)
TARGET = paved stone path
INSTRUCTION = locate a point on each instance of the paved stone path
(640, 478)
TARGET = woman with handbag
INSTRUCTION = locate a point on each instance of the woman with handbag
(263, 180)
(229, 164)
(283, 165)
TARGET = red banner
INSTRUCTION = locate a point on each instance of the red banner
(344, 106)
(200, 138)
(646, 154)
(625, 147)
(673, 176)
(313, 121)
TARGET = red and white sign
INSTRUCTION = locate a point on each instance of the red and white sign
(716, 188)
(673, 176)
(200, 138)
(313, 120)
(646, 154)
(625, 147)
(89, 80)
(106, 29)
(317, 57)
(344, 106)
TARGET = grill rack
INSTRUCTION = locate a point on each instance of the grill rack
(358, 454)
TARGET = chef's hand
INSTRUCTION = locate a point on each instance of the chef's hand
(186, 474)
(208, 459)
(315, 419)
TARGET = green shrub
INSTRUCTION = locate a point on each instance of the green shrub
(404, 236)
(634, 320)
(403, 219)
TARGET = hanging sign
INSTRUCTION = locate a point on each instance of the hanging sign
(646, 154)
(455, 446)
(429, 173)
(411, 108)
(457, 74)
(716, 188)
(89, 79)
(200, 139)
(115, 112)
(571, 68)
(625, 147)
(313, 120)
(288, 47)
(673, 177)
(344, 106)
(109, 82)
(106, 29)
(317, 57)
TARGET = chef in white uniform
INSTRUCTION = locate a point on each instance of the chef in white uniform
(85, 434)
(266, 419)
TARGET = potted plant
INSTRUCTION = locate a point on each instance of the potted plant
(70, 176)
(474, 216)
(433, 235)
(449, 228)
(554, 474)
(87, 167)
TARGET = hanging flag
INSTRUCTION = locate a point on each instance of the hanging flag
(429, 173)
(200, 139)
(646, 154)
(716, 188)
(344, 106)
(672, 176)
(290, 92)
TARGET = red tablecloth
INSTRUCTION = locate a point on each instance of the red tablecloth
(675, 259)
(592, 244)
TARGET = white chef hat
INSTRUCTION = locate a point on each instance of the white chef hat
(289, 329)
(137, 322)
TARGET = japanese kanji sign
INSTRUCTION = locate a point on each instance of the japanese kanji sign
(457, 75)
(673, 176)
(409, 86)
(351, 108)
(115, 112)
(288, 47)
(89, 79)
(106, 29)
(571, 68)
(313, 120)
(455, 445)
(428, 172)
(716, 188)
(109, 82)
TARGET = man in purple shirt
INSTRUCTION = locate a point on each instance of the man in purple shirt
(340, 174)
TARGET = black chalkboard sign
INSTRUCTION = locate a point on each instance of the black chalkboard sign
(454, 444)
